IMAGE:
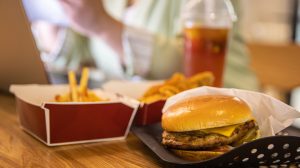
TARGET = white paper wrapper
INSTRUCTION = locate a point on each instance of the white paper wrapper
(271, 114)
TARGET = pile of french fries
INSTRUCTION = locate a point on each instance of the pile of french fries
(176, 84)
(79, 93)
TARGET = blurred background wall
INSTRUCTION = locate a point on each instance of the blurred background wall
(269, 21)
(271, 29)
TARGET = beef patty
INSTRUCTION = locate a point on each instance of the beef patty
(194, 140)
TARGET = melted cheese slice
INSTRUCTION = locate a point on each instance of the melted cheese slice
(226, 131)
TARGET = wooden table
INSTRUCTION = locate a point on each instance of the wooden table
(19, 149)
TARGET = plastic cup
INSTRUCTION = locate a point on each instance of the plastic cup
(207, 24)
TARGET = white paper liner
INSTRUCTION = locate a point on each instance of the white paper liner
(40, 94)
(133, 89)
(271, 114)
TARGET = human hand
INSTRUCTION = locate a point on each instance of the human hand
(89, 18)
(85, 16)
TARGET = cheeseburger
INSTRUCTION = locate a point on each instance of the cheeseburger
(202, 127)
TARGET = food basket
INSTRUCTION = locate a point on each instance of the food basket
(282, 150)
(279, 143)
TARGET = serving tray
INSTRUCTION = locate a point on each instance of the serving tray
(282, 149)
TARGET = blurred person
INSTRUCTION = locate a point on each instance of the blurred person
(126, 38)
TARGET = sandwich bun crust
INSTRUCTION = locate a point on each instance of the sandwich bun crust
(203, 112)
(196, 155)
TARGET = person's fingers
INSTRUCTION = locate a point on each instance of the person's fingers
(77, 3)
(65, 3)
(68, 9)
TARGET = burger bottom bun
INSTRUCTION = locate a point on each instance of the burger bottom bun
(196, 155)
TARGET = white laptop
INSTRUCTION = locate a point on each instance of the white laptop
(20, 61)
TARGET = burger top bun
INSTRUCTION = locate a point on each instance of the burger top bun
(202, 112)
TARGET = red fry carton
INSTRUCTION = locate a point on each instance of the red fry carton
(61, 123)
(148, 113)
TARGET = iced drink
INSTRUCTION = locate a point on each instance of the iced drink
(205, 50)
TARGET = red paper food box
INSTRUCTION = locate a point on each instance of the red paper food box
(58, 123)
(148, 113)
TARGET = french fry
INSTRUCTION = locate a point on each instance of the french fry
(183, 86)
(93, 97)
(63, 98)
(152, 98)
(176, 78)
(73, 86)
(204, 78)
(168, 90)
(83, 82)
(152, 90)
(79, 93)
(177, 83)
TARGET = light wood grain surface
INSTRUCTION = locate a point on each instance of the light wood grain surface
(18, 149)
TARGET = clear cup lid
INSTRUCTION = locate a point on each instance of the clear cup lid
(209, 13)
